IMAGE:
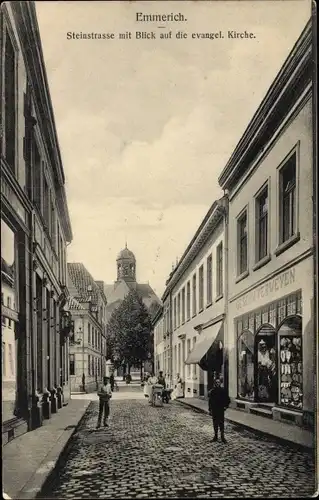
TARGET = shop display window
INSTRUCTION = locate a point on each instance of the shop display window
(246, 365)
(9, 287)
(266, 364)
(290, 345)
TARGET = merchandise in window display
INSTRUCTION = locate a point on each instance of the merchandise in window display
(246, 366)
(266, 370)
(291, 372)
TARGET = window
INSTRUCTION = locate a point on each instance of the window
(178, 309)
(245, 360)
(194, 295)
(37, 175)
(89, 333)
(11, 362)
(288, 199)
(3, 358)
(195, 365)
(201, 288)
(53, 224)
(46, 203)
(183, 305)
(72, 364)
(262, 224)
(219, 263)
(10, 102)
(89, 364)
(209, 279)
(175, 359)
(242, 244)
(188, 351)
(290, 361)
(9, 302)
(175, 314)
(188, 300)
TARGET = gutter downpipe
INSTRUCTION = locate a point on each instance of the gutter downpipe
(226, 333)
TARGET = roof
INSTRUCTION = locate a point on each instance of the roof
(289, 84)
(74, 304)
(118, 291)
(213, 217)
(26, 23)
(87, 289)
(126, 254)
(145, 291)
(100, 284)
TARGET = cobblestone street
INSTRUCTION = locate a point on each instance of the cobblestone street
(167, 452)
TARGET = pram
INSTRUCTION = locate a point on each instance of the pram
(157, 395)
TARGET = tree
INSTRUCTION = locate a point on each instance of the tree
(129, 331)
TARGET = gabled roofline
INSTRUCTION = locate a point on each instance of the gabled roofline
(288, 85)
(157, 316)
(29, 34)
(214, 216)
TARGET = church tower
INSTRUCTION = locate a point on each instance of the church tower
(126, 266)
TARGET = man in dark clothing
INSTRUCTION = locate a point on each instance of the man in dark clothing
(112, 381)
(218, 403)
(161, 380)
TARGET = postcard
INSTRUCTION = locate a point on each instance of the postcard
(158, 249)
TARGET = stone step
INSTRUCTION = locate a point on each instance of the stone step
(262, 412)
(265, 406)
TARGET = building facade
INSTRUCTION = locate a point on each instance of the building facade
(159, 344)
(88, 344)
(269, 179)
(35, 228)
(194, 308)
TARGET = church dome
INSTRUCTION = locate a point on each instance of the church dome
(126, 254)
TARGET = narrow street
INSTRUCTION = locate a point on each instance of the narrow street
(167, 452)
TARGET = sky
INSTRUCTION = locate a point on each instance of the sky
(145, 127)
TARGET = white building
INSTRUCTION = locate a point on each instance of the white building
(196, 309)
(159, 342)
(269, 178)
(88, 344)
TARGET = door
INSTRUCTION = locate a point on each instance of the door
(266, 379)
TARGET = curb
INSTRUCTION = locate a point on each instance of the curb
(48, 470)
(257, 432)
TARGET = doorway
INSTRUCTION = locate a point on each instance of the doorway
(266, 378)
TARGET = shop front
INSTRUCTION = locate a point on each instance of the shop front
(274, 351)
(15, 326)
(269, 353)
(208, 353)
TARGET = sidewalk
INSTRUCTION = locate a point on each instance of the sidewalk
(28, 460)
(260, 425)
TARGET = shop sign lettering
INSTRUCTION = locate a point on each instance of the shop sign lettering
(283, 280)
(9, 313)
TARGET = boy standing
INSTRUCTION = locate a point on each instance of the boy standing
(105, 394)
(218, 403)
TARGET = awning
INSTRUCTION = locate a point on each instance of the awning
(204, 343)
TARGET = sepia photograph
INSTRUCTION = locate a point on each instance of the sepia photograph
(159, 249)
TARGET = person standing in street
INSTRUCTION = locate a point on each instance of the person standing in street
(112, 380)
(105, 394)
(218, 404)
(161, 380)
